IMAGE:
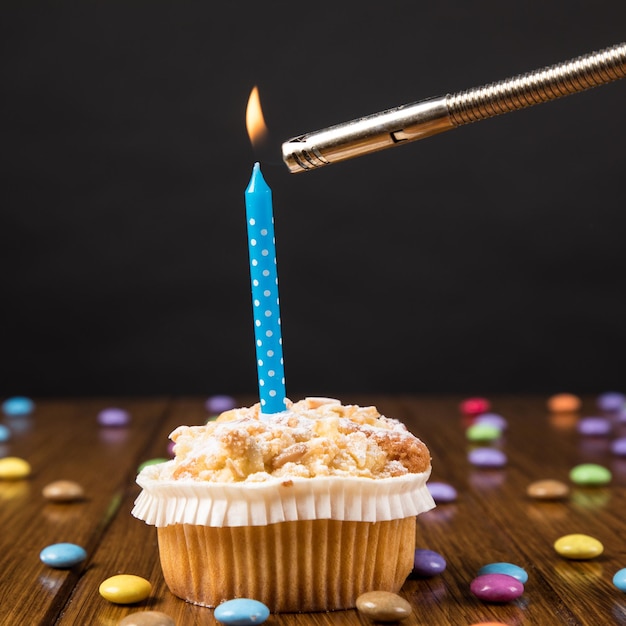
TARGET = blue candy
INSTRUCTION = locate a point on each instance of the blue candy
(62, 555)
(241, 612)
(219, 404)
(495, 419)
(611, 401)
(17, 406)
(442, 492)
(5, 433)
(505, 568)
(487, 457)
(619, 580)
(618, 446)
(427, 563)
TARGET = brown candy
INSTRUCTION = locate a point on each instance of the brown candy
(63, 491)
(147, 618)
(547, 489)
(383, 606)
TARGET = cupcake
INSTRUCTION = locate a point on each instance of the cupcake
(303, 510)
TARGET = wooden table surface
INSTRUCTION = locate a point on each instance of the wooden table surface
(492, 520)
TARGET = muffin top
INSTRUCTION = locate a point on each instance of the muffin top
(313, 437)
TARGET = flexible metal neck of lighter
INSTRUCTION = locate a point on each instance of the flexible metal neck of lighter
(429, 117)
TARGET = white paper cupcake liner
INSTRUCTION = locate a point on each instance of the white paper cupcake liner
(165, 502)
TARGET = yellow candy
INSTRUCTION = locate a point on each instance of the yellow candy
(579, 547)
(13, 468)
(125, 589)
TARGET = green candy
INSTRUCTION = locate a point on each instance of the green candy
(590, 474)
(482, 432)
(151, 462)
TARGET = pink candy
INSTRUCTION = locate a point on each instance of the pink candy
(496, 588)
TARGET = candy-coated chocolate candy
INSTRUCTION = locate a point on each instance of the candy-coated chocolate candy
(618, 446)
(5, 433)
(113, 416)
(564, 403)
(619, 579)
(220, 403)
(147, 618)
(487, 457)
(594, 426)
(14, 468)
(474, 406)
(125, 589)
(611, 401)
(442, 492)
(489, 624)
(62, 555)
(547, 489)
(480, 431)
(383, 606)
(505, 568)
(578, 547)
(18, 406)
(151, 462)
(241, 612)
(495, 419)
(496, 588)
(427, 563)
(63, 491)
(590, 474)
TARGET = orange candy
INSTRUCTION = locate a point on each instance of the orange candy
(564, 403)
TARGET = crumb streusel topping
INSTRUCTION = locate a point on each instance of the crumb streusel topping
(313, 437)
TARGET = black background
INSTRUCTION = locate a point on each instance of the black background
(487, 259)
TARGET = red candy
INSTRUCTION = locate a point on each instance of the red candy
(474, 406)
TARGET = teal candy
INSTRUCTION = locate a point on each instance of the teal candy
(505, 568)
(619, 580)
(62, 555)
(5, 433)
(18, 405)
(590, 474)
(241, 612)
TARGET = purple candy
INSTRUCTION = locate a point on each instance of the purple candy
(611, 401)
(427, 563)
(496, 588)
(487, 457)
(219, 404)
(618, 446)
(170, 448)
(594, 426)
(493, 419)
(113, 417)
(442, 492)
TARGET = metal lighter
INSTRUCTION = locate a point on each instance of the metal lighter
(428, 117)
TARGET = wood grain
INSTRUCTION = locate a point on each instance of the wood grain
(492, 520)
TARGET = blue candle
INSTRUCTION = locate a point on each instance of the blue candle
(265, 302)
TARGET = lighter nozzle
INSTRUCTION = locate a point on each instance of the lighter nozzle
(366, 134)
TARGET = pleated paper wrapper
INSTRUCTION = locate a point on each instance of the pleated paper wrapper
(187, 501)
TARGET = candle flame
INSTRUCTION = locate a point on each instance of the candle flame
(257, 130)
